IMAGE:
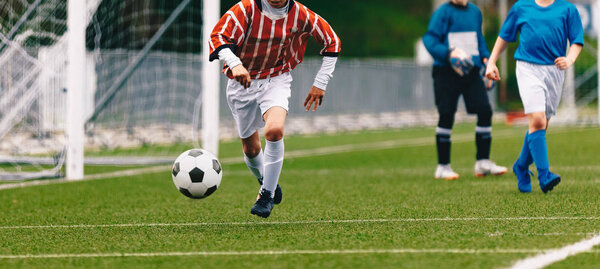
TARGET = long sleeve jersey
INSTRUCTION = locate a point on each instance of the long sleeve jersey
(267, 47)
(454, 26)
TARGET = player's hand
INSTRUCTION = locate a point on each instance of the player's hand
(315, 96)
(457, 53)
(492, 72)
(563, 63)
(241, 75)
(489, 85)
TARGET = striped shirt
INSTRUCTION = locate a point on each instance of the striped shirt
(268, 48)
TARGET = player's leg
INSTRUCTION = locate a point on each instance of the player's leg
(253, 156)
(477, 102)
(273, 99)
(539, 87)
(533, 95)
(274, 147)
(521, 166)
(553, 79)
(446, 100)
(248, 118)
(273, 158)
(539, 150)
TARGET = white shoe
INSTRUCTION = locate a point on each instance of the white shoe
(445, 172)
(487, 167)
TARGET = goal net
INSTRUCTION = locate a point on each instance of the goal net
(143, 79)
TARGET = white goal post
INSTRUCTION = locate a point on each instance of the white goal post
(76, 86)
(210, 81)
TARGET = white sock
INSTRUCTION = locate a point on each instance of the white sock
(273, 163)
(256, 165)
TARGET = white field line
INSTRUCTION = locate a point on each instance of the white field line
(299, 222)
(552, 256)
(275, 252)
(498, 234)
(122, 173)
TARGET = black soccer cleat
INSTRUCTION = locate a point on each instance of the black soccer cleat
(263, 205)
(550, 182)
(278, 193)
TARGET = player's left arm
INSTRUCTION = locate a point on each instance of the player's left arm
(563, 63)
(575, 28)
(324, 34)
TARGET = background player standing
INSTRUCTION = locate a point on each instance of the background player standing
(261, 41)
(455, 34)
(544, 27)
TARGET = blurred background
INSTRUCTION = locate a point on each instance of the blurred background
(144, 66)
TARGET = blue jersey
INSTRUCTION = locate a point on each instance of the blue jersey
(544, 31)
(454, 26)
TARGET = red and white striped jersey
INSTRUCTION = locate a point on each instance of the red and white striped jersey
(268, 48)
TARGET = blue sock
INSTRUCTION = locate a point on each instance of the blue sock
(525, 159)
(539, 152)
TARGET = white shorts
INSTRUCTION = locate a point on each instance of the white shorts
(540, 87)
(249, 105)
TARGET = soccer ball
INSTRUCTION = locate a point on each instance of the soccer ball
(197, 173)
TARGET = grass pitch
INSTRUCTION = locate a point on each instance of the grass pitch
(363, 199)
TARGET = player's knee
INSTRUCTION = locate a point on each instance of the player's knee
(537, 123)
(251, 148)
(446, 120)
(274, 133)
(251, 151)
(484, 118)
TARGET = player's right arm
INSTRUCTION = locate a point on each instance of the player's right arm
(227, 35)
(508, 33)
(492, 69)
(437, 32)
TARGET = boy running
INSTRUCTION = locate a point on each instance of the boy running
(455, 34)
(261, 41)
(545, 26)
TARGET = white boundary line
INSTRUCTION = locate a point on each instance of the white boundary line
(273, 252)
(122, 173)
(351, 221)
(498, 234)
(556, 255)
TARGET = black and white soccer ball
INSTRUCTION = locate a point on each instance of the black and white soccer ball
(197, 173)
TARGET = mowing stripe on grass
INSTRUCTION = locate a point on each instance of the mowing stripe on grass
(274, 252)
(391, 144)
(552, 256)
(299, 222)
(423, 141)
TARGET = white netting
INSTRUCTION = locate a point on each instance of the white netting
(31, 45)
(146, 53)
(148, 67)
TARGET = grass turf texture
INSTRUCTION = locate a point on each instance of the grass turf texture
(394, 183)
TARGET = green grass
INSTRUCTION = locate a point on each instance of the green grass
(394, 184)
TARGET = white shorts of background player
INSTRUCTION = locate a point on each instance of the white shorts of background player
(540, 87)
(249, 105)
